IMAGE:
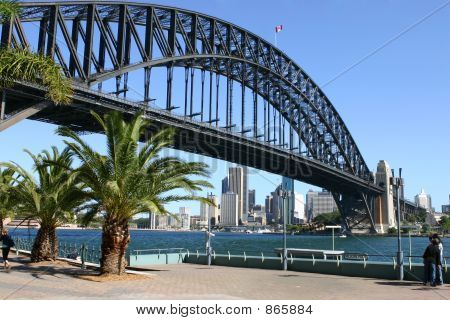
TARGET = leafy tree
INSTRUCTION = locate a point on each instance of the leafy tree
(330, 218)
(445, 223)
(6, 205)
(128, 180)
(426, 228)
(51, 198)
(392, 230)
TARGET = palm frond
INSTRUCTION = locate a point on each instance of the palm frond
(23, 65)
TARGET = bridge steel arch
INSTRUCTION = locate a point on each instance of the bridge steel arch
(97, 42)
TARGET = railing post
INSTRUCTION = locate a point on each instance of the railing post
(83, 256)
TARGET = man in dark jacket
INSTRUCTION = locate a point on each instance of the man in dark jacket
(6, 243)
(431, 259)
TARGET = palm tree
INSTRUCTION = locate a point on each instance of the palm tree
(128, 180)
(6, 205)
(23, 65)
(51, 199)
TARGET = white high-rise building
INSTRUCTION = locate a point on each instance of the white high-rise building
(229, 215)
(238, 183)
(185, 221)
(424, 200)
(299, 208)
(209, 210)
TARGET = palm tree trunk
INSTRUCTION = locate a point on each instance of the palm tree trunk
(45, 246)
(115, 240)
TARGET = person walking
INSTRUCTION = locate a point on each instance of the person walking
(431, 259)
(6, 243)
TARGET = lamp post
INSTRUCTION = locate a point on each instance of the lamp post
(208, 236)
(284, 194)
(397, 183)
(332, 232)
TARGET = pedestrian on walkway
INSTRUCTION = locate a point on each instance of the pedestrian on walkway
(431, 259)
(6, 242)
(439, 276)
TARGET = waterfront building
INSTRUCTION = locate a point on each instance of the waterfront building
(424, 200)
(238, 183)
(173, 221)
(251, 199)
(209, 210)
(318, 202)
(194, 222)
(184, 221)
(162, 222)
(259, 215)
(229, 210)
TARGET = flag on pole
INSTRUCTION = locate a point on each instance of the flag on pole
(278, 28)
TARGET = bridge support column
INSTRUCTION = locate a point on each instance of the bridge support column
(384, 204)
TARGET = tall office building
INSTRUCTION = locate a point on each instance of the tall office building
(229, 209)
(210, 211)
(238, 183)
(194, 222)
(162, 222)
(251, 199)
(275, 209)
(268, 209)
(225, 188)
(424, 200)
(318, 202)
(185, 221)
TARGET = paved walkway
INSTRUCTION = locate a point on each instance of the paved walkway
(189, 281)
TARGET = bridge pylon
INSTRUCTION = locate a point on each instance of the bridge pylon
(384, 203)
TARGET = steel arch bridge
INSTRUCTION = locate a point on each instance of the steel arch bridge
(231, 94)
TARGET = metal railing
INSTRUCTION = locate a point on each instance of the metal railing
(75, 251)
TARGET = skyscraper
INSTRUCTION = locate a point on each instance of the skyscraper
(251, 199)
(209, 210)
(424, 200)
(229, 208)
(268, 208)
(237, 183)
(225, 188)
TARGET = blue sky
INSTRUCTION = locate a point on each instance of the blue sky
(395, 103)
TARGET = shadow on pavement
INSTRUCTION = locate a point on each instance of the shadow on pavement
(400, 284)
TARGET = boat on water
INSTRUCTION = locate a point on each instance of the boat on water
(263, 231)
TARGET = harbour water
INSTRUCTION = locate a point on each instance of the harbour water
(379, 248)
